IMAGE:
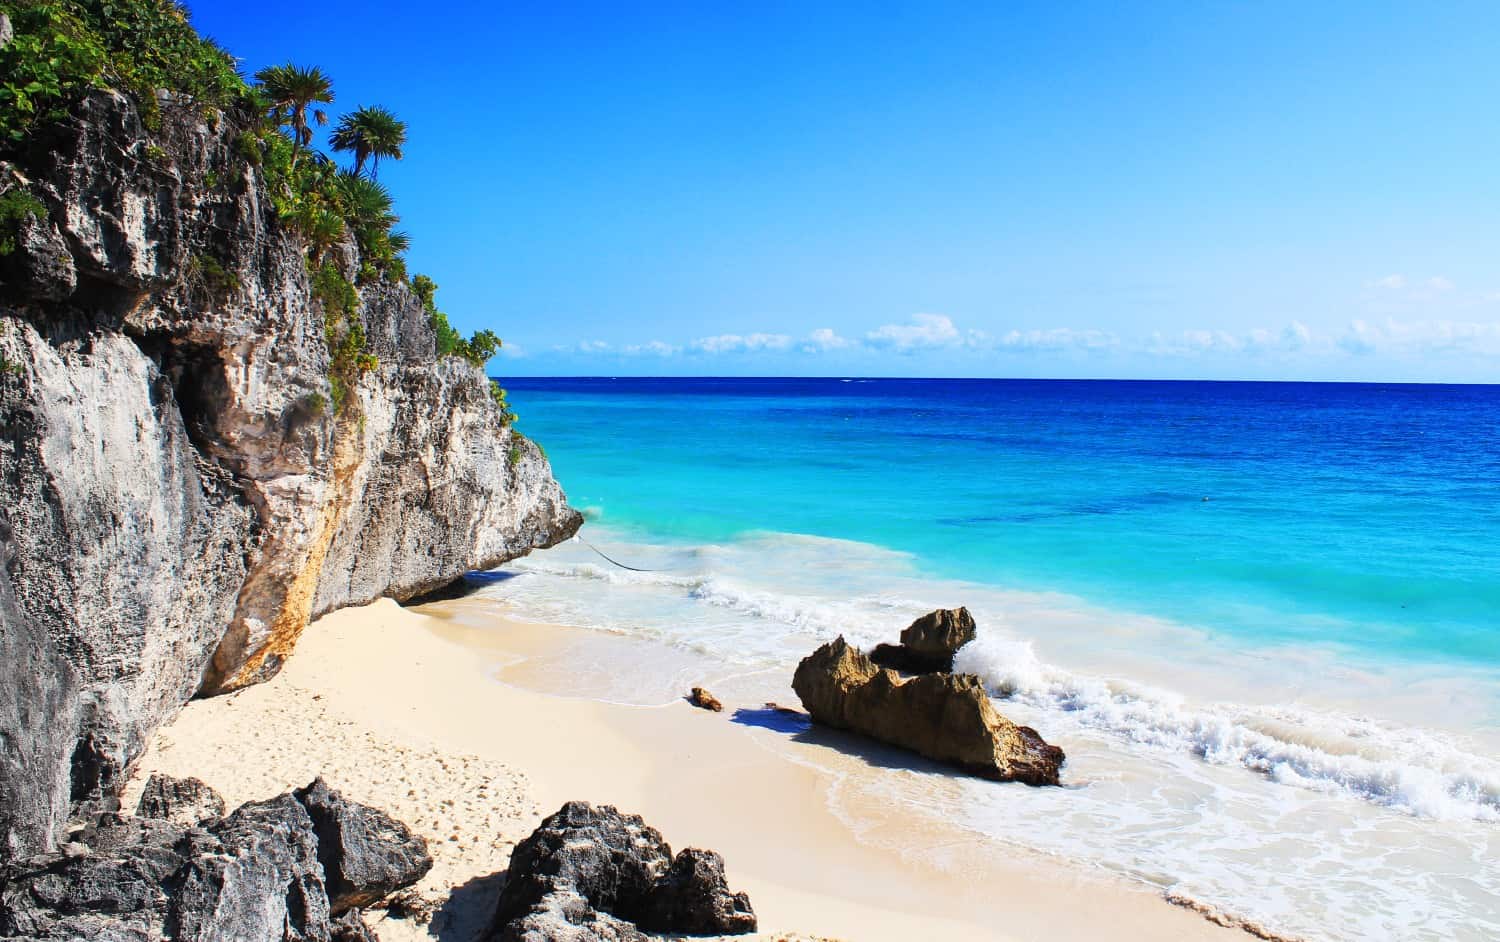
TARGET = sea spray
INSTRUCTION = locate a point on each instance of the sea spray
(1419, 772)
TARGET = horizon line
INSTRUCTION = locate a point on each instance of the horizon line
(995, 379)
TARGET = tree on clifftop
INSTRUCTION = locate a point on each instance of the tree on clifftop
(291, 90)
(369, 132)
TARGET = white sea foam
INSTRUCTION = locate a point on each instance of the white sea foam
(1338, 817)
(1417, 772)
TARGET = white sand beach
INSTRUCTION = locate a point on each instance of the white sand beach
(405, 711)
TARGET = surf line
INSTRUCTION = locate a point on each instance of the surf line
(608, 559)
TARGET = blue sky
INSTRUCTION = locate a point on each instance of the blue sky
(1214, 190)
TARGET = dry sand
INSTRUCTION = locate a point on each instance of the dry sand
(403, 711)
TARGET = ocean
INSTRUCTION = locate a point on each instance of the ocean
(1263, 619)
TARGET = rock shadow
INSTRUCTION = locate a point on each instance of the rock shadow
(462, 587)
(467, 911)
(799, 727)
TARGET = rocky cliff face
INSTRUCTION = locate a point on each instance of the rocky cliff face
(181, 496)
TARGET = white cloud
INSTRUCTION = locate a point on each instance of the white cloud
(735, 343)
(585, 347)
(1292, 338)
(1057, 339)
(936, 332)
(1295, 336)
(824, 339)
(654, 349)
(1414, 288)
(925, 332)
(1426, 337)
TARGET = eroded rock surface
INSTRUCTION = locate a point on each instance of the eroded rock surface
(181, 495)
(929, 643)
(947, 717)
(186, 802)
(595, 874)
(257, 874)
(366, 854)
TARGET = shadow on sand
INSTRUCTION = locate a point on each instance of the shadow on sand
(465, 585)
(799, 727)
(468, 909)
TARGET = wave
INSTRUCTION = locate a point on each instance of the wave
(1411, 770)
(1418, 772)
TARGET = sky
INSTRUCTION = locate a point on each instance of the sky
(1152, 190)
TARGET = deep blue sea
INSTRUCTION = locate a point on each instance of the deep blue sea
(1285, 596)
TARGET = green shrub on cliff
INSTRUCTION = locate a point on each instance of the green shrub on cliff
(342, 331)
(16, 206)
(63, 48)
(450, 343)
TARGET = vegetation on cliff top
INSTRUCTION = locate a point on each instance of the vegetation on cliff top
(62, 49)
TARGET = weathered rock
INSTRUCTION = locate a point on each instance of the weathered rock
(255, 875)
(704, 700)
(366, 854)
(595, 874)
(39, 718)
(185, 802)
(947, 717)
(693, 898)
(929, 643)
(183, 497)
(40, 266)
(350, 927)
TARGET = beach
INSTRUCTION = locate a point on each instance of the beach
(431, 720)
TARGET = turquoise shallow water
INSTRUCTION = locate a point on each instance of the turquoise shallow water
(1282, 702)
(1363, 517)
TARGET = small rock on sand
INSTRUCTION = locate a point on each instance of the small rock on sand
(704, 700)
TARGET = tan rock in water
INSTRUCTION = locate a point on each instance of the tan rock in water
(929, 643)
(704, 700)
(947, 717)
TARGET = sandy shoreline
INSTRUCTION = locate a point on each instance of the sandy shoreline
(403, 711)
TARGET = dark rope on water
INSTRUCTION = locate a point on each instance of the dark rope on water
(614, 561)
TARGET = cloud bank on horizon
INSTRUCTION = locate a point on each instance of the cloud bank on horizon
(912, 346)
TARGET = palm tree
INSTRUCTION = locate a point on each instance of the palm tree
(290, 90)
(368, 204)
(369, 133)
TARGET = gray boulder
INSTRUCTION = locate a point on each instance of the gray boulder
(366, 854)
(186, 802)
(595, 874)
(350, 927)
(256, 875)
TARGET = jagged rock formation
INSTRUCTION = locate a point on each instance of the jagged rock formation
(929, 643)
(947, 717)
(591, 874)
(366, 854)
(39, 709)
(181, 496)
(257, 874)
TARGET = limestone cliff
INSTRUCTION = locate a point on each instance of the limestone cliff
(180, 495)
